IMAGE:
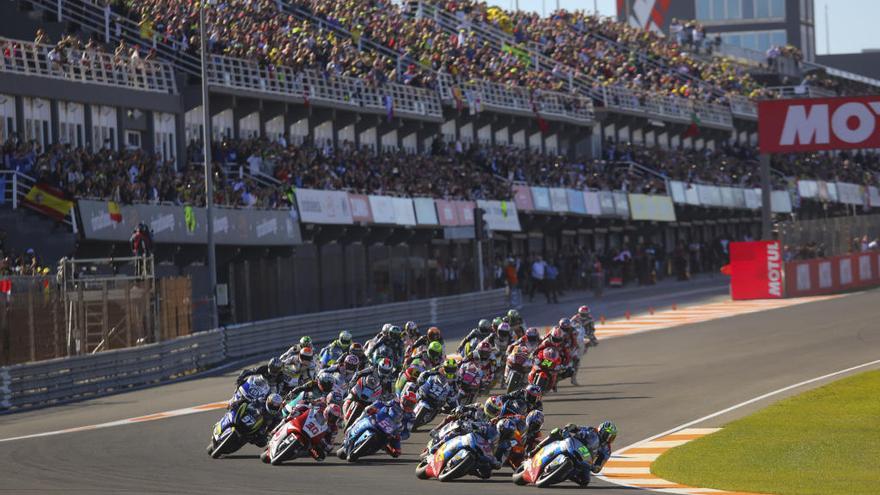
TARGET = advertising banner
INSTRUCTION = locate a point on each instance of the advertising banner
(426, 213)
(541, 198)
(797, 125)
(558, 200)
(676, 190)
(360, 208)
(830, 275)
(522, 196)
(621, 204)
(691, 195)
(727, 197)
(404, 214)
(500, 215)
(850, 194)
(318, 206)
(808, 189)
(651, 207)
(756, 270)
(188, 225)
(576, 202)
(465, 212)
(874, 196)
(780, 202)
(591, 202)
(606, 203)
(709, 195)
(446, 212)
(753, 198)
(383, 209)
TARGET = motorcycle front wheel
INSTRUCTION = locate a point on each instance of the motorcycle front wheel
(558, 475)
(518, 475)
(421, 470)
(462, 468)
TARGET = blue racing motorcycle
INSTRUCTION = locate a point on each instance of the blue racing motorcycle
(370, 433)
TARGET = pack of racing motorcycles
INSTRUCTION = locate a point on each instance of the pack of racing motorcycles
(375, 394)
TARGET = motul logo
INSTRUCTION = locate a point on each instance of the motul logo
(774, 270)
(818, 124)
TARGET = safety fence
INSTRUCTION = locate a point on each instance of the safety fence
(46, 382)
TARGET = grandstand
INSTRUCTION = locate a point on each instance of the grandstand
(327, 114)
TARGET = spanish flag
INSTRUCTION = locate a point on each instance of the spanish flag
(48, 200)
(114, 211)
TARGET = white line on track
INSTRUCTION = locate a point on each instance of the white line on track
(734, 407)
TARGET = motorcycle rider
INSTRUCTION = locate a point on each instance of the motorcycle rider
(346, 367)
(530, 340)
(446, 370)
(584, 318)
(534, 423)
(557, 339)
(271, 371)
(384, 371)
(483, 330)
(433, 335)
(430, 357)
(482, 357)
(272, 410)
(410, 333)
(393, 340)
(402, 415)
(530, 396)
(340, 345)
(314, 390)
(517, 326)
(291, 353)
(356, 350)
(370, 344)
(597, 439)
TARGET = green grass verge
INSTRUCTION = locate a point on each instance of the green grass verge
(822, 442)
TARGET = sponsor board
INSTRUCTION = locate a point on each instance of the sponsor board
(651, 207)
(237, 227)
(326, 207)
(830, 275)
(814, 124)
(500, 215)
(756, 270)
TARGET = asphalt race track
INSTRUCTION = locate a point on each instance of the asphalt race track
(647, 383)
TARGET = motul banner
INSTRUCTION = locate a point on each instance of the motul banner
(813, 124)
(756, 270)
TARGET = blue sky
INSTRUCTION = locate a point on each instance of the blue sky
(853, 23)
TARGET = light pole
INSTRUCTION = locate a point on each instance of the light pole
(209, 173)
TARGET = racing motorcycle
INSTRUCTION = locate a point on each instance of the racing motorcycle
(298, 436)
(554, 463)
(469, 378)
(458, 457)
(543, 373)
(517, 369)
(236, 428)
(364, 392)
(370, 433)
(329, 356)
(433, 396)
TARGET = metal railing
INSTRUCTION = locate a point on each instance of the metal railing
(801, 92)
(14, 189)
(86, 66)
(114, 28)
(669, 108)
(312, 86)
(741, 106)
(501, 98)
(42, 383)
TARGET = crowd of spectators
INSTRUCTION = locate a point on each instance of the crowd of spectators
(614, 53)
(261, 173)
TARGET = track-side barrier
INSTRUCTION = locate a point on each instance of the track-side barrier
(41, 383)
